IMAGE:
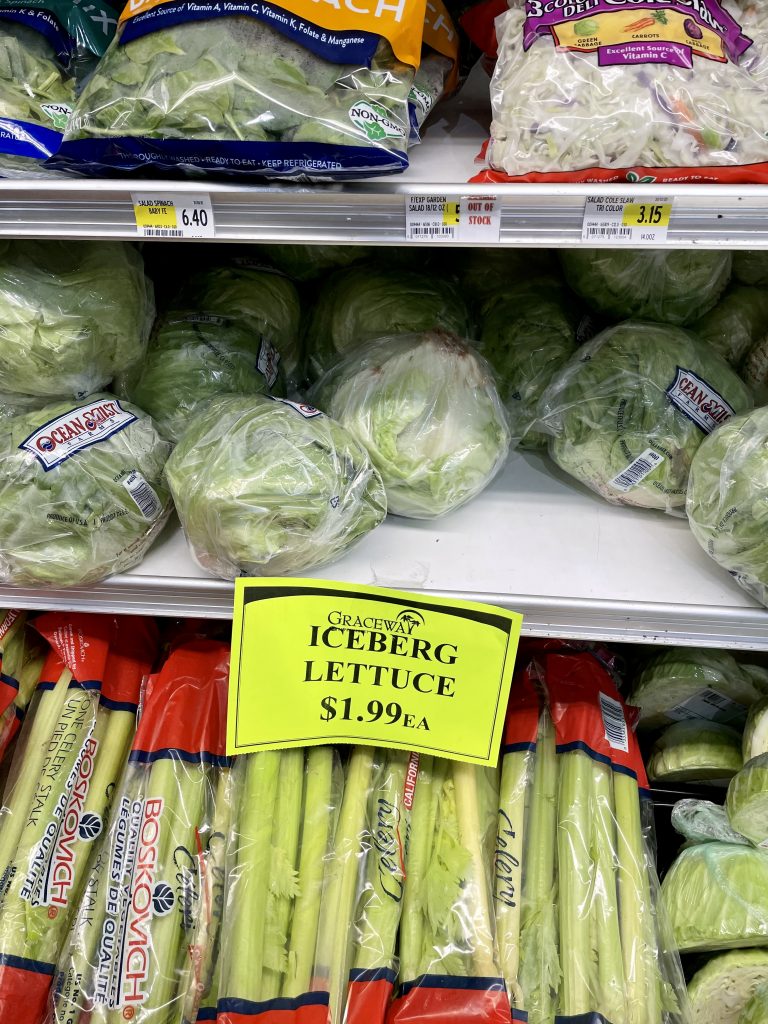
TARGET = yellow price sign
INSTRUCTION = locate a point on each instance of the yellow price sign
(647, 215)
(316, 662)
(451, 214)
(155, 213)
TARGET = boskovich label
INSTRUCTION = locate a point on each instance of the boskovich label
(51, 873)
(698, 400)
(268, 361)
(307, 411)
(79, 428)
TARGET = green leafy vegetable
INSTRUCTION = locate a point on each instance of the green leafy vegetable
(72, 315)
(723, 988)
(620, 412)
(266, 487)
(747, 800)
(667, 285)
(750, 266)
(734, 325)
(307, 262)
(755, 738)
(695, 750)
(701, 821)
(487, 274)
(756, 1009)
(427, 410)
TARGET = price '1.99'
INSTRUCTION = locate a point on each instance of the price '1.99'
(390, 713)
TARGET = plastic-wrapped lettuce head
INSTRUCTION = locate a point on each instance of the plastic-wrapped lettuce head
(755, 738)
(630, 409)
(427, 409)
(750, 266)
(716, 895)
(257, 296)
(727, 502)
(72, 315)
(194, 357)
(759, 676)
(487, 274)
(720, 992)
(701, 821)
(82, 491)
(306, 262)
(747, 800)
(687, 682)
(668, 285)
(736, 323)
(694, 751)
(756, 1009)
(527, 335)
(269, 487)
(371, 301)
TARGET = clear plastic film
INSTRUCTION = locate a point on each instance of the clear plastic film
(59, 795)
(695, 750)
(746, 802)
(438, 72)
(755, 737)
(626, 92)
(665, 285)
(194, 357)
(82, 491)
(449, 966)
(426, 408)
(723, 988)
(736, 324)
(72, 315)
(750, 266)
(370, 301)
(271, 487)
(701, 821)
(528, 332)
(754, 370)
(716, 895)
(727, 501)
(580, 928)
(22, 656)
(307, 262)
(143, 951)
(630, 409)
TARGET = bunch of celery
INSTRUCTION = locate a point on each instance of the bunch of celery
(21, 661)
(447, 925)
(576, 925)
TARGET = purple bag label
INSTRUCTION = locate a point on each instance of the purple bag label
(638, 31)
(698, 400)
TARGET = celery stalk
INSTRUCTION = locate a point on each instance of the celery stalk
(27, 676)
(242, 968)
(574, 879)
(423, 827)
(476, 902)
(386, 866)
(340, 896)
(607, 931)
(283, 884)
(539, 960)
(508, 862)
(315, 839)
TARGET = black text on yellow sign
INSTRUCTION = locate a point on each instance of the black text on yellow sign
(318, 662)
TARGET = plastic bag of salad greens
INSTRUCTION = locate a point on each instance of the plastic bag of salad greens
(271, 487)
(685, 683)
(736, 323)
(426, 408)
(288, 90)
(728, 500)
(195, 357)
(695, 750)
(675, 286)
(371, 301)
(82, 492)
(629, 410)
(254, 296)
(438, 73)
(528, 333)
(72, 315)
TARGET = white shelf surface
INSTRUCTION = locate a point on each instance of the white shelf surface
(572, 564)
(373, 211)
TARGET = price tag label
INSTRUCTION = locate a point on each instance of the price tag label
(626, 220)
(173, 215)
(315, 662)
(450, 218)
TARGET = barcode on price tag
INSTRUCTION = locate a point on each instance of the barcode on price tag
(626, 220)
(451, 218)
(173, 215)
(637, 470)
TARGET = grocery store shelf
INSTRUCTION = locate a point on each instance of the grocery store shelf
(373, 212)
(573, 565)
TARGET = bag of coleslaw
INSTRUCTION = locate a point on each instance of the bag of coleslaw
(295, 90)
(630, 90)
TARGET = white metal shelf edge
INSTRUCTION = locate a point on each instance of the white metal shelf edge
(573, 565)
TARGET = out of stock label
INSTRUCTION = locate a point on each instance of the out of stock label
(626, 220)
(173, 215)
(451, 218)
(316, 662)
